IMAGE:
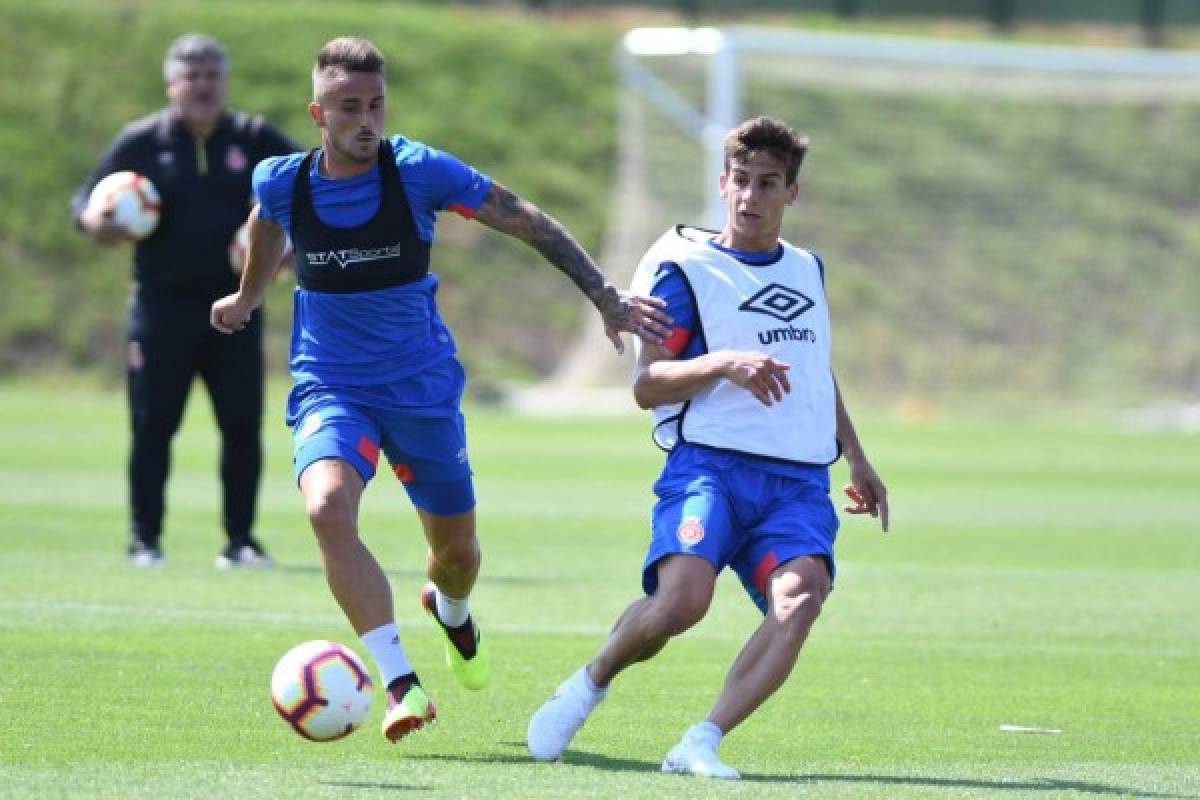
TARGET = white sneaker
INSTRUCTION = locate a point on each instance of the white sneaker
(144, 555)
(554, 725)
(249, 555)
(691, 757)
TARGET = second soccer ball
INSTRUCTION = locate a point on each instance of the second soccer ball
(131, 199)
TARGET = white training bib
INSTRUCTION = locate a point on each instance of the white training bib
(778, 309)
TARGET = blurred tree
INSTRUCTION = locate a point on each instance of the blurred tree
(847, 8)
(689, 9)
(1002, 14)
(1153, 15)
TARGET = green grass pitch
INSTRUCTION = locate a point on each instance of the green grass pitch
(1037, 574)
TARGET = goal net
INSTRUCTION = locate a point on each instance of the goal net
(997, 220)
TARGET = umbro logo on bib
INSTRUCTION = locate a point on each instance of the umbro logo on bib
(778, 301)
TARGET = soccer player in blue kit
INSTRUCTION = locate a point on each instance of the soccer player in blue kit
(745, 403)
(373, 364)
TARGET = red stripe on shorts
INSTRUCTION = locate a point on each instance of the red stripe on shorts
(368, 449)
(764, 570)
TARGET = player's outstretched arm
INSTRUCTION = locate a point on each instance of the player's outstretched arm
(662, 380)
(866, 491)
(504, 211)
(267, 243)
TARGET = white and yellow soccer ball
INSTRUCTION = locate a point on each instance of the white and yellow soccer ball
(239, 247)
(322, 689)
(133, 200)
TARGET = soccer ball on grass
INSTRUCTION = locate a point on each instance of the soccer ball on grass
(322, 689)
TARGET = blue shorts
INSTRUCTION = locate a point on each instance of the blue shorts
(427, 453)
(732, 512)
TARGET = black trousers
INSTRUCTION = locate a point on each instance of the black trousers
(170, 342)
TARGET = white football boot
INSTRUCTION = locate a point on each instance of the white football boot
(695, 755)
(554, 725)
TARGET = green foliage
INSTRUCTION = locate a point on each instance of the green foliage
(1036, 574)
(1014, 242)
(1010, 244)
(529, 103)
(994, 247)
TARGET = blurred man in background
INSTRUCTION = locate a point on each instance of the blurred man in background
(200, 157)
(374, 365)
(745, 403)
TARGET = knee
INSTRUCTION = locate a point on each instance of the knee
(331, 515)
(796, 604)
(460, 553)
(673, 614)
(154, 427)
(798, 612)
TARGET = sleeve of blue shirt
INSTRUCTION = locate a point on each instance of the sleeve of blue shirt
(672, 286)
(444, 181)
(272, 181)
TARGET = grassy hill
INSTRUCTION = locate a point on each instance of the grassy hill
(1032, 249)
(530, 104)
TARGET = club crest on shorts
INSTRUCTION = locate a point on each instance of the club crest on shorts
(690, 531)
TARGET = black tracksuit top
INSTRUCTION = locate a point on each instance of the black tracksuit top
(206, 195)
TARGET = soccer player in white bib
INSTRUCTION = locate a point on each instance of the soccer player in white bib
(747, 407)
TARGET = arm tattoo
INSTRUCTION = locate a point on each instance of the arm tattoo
(508, 213)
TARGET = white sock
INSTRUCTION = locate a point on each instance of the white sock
(583, 681)
(452, 611)
(705, 732)
(383, 643)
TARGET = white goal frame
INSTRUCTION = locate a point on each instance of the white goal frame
(589, 367)
(725, 47)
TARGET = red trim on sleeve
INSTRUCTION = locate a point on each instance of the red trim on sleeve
(464, 210)
(678, 340)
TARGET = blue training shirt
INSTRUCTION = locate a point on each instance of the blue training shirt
(378, 337)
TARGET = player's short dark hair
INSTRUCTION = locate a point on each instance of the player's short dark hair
(764, 134)
(350, 53)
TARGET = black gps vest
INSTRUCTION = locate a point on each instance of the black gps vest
(384, 251)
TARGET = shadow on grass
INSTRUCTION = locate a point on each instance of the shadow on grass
(570, 758)
(598, 761)
(1029, 784)
(491, 758)
(580, 758)
(419, 575)
(394, 787)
